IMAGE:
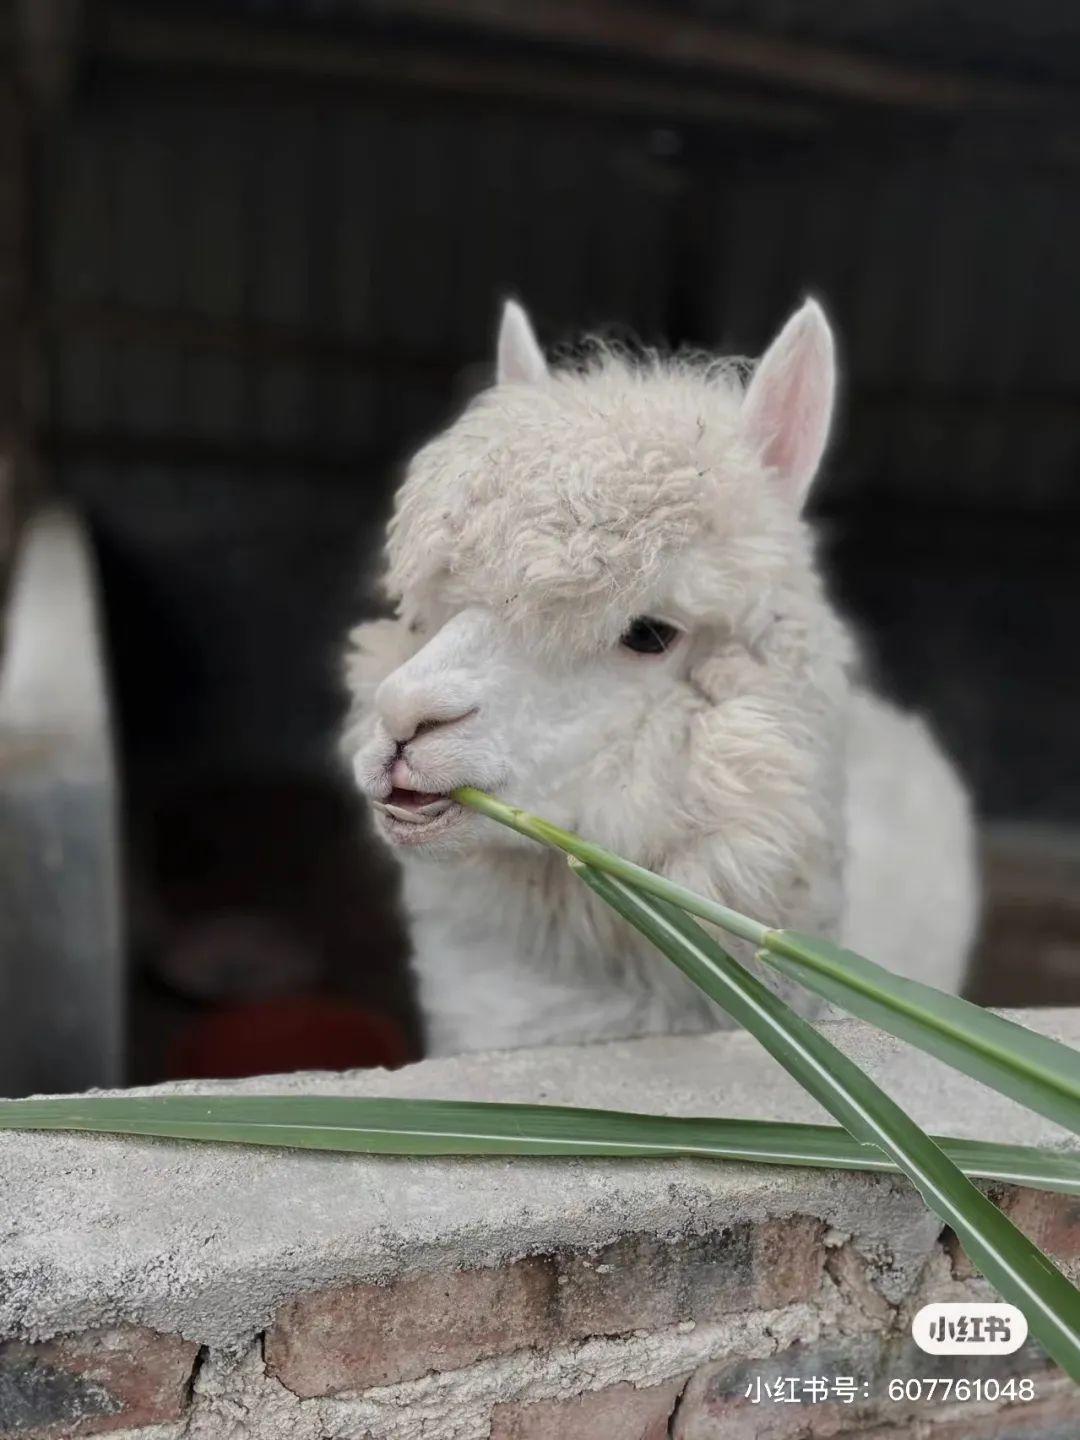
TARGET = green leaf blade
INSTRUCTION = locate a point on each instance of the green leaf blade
(1016, 1267)
(397, 1126)
(1040, 1073)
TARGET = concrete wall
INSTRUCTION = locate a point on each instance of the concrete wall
(160, 1290)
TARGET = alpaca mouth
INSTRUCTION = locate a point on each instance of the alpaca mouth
(414, 817)
(413, 807)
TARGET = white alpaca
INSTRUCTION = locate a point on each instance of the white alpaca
(609, 613)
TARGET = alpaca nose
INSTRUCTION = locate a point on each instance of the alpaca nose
(408, 713)
(428, 693)
(399, 766)
(433, 722)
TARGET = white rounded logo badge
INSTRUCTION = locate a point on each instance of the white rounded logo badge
(952, 1327)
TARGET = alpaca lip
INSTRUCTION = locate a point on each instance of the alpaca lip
(413, 807)
(417, 825)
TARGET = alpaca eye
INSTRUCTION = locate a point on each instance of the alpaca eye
(647, 636)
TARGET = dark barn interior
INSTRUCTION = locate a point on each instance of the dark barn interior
(253, 254)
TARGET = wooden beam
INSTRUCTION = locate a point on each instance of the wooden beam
(663, 35)
(358, 58)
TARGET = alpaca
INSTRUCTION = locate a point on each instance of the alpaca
(608, 612)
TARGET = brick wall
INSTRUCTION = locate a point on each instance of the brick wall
(157, 1291)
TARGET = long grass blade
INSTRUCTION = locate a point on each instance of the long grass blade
(1040, 1073)
(1017, 1268)
(462, 1127)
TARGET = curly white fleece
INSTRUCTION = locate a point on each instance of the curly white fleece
(528, 534)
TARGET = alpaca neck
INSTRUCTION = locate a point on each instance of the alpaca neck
(510, 949)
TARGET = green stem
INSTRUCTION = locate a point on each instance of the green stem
(611, 864)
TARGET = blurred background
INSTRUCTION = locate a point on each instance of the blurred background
(252, 253)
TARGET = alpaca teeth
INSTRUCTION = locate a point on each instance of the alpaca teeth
(435, 808)
(413, 817)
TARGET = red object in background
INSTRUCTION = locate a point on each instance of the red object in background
(286, 1032)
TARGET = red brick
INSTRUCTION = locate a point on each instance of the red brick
(619, 1413)
(362, 1335)
(642, 1283)
(1052, 1221)
(357, 1336)
(715, 1405)
(92, 1383)
(851, 1271)
(788, 1258)
(636, 1283)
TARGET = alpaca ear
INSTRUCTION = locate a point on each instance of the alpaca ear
(788, 404)
(520, 360)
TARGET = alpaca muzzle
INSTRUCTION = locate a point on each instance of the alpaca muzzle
(409, 813)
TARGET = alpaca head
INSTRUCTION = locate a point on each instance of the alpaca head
(608, 608)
